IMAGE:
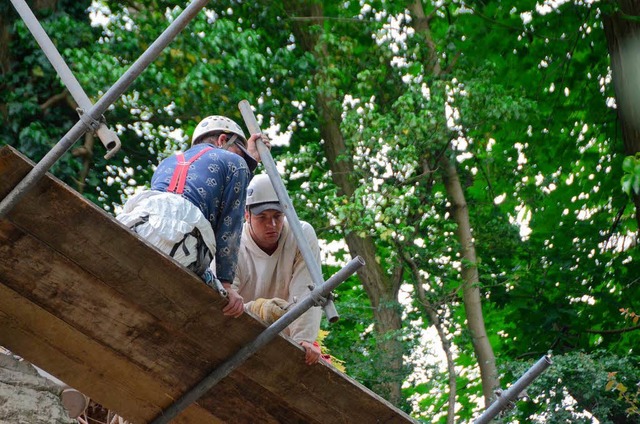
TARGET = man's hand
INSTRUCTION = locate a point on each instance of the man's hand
(312, 353)
(251, 145)
(235, 307)
(269, 310)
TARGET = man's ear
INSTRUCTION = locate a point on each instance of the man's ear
(222, 139)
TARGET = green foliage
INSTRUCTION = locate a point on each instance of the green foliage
(631, 179)
(351, 338)
(585, 377)
(522, 108)
(631, 398)
(30, 123)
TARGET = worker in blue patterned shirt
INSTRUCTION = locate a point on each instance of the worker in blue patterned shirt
(195, 209)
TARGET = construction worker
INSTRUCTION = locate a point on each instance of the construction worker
(194, 210)
(271, 273)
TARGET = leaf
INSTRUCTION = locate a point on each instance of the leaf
(628, 164)
(621, 388)
(415, 69)
(636, 184)
(625, 181)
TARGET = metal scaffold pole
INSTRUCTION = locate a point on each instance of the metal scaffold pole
(267, 335)
(287, 205)
(109, 138)
(89, 120)
(511, 394)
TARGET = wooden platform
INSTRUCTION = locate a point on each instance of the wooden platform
(96, 306)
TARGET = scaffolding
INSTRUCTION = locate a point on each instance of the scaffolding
(91, 119)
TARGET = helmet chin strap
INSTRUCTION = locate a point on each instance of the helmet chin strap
(252, 163)
(231, 142)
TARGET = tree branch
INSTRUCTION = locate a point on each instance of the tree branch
(616, 331)
(53, 100)
(432, 313)
(615, 223)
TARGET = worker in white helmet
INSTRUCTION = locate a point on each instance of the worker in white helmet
(271, 273)
(194, 210)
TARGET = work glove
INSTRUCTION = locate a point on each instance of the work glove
(269, 310)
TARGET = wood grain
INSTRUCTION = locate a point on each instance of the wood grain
(98, 307)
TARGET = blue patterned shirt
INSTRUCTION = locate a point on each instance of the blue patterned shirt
(216, 183)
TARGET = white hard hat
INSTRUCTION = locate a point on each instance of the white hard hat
(261, 196)
(216, 123)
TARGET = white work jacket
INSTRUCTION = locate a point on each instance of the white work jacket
(282, 274)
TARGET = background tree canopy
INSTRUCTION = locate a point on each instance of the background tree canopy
(481, 156)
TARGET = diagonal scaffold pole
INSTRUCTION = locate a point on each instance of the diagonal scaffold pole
(96, 111)
(511, 394)
(292, 217)
(109, 138)
(263, 338)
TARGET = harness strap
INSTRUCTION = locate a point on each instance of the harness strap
(203, 256)
(179, 177)
(182, 244)
(143, 220)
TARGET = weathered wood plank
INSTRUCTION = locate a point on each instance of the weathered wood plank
(46, 341)
(145, 315)
(110, 320)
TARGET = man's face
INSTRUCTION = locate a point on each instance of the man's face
(266, 227)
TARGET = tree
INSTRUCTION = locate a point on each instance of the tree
(469, 152)
(622, 32)
(35, 109)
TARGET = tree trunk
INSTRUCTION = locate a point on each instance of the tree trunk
(470, 290)
(381, 289)
(5, 54)
(4, 44)
(622, 30)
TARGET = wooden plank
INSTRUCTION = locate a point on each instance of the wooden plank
(147, 319)
(44, 340)
(109, 320)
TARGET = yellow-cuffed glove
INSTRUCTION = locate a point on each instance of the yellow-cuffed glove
(269, 310)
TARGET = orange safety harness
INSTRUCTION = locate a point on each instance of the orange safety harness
(179, 177)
